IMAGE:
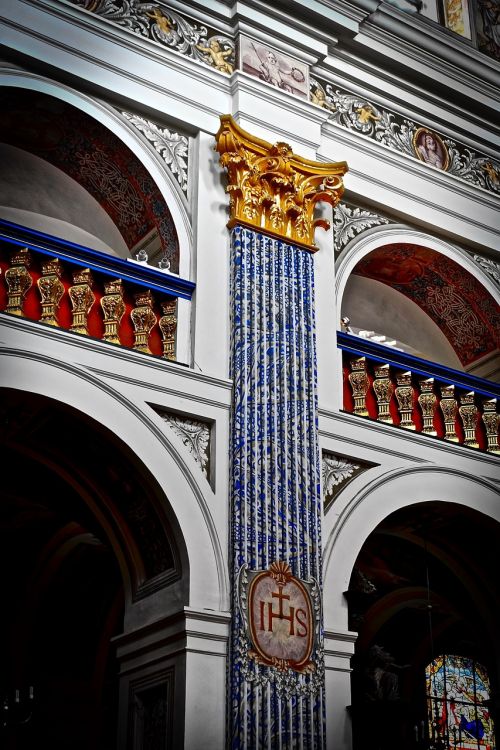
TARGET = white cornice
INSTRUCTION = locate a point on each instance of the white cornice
(426, 48)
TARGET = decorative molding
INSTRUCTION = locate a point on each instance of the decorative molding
(171, 146)
(491, 267)
(195, 435)
(349, 221)
(337, 472)
(159, 23)
(273, 190)
(355, 113)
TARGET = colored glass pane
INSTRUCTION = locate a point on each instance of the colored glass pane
(457, 693)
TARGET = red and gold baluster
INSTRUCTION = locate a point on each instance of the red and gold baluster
(491, 419)
(383, 388)
(448, 406)
(469, 414)
(168, 328)
(51, 290)
(18, 280)
(359, 381)
(143, 319)
(113, 307)
(82, 298)
(404, 395)
(428, 402)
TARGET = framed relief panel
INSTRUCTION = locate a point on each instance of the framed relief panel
(430, 148)
(274, 67)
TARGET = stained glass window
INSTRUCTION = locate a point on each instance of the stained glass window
(458, 691)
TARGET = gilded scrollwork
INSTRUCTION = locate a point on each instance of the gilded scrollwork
(491, 421)
(143, 320)
(82, 298)
(113, 308)
(383, 387)
(51, 291)
(428, 402)
(448, 406)
(360, 383)
(19, 281)
(469, 413)
(272, 189)
(404, 396)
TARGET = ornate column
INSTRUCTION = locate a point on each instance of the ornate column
(276, 682)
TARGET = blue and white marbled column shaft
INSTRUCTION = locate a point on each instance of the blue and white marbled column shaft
(275, 477)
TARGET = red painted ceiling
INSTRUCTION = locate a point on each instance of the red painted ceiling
(93, 156)
(455, 300)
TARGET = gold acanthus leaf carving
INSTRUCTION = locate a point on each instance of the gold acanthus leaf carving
(273, 190)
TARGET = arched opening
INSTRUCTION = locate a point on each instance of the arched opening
(424, 584)
(66, 174)
(423, 302)
(84, 536)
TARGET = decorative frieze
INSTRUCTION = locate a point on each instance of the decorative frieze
(273, 190)
(113, 308)
(355, 113)
(171, 146)
(173, 30)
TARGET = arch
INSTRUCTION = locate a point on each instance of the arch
(117, 124)
(360, 513)
(65, 383)
(357, 249)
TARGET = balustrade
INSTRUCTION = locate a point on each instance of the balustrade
(397, 389)
(89, 293)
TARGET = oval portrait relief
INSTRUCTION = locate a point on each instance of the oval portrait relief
(429, 147)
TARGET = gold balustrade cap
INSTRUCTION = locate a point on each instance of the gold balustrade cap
(272, 189)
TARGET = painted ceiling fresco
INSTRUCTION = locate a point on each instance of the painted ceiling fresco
(465, 312)
(95, 158)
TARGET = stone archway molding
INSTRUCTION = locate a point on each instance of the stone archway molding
(68, 384)
(357, 517)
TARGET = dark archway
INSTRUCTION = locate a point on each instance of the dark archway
(83, 533)
(425, 583)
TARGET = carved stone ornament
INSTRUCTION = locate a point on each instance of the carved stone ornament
(280, 618)
(143, 319)
(338, 471)
(171, 146)
(82, 299)
(195, 436)
(273, 190)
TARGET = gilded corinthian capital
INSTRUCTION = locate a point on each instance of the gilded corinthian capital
(273, 190)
